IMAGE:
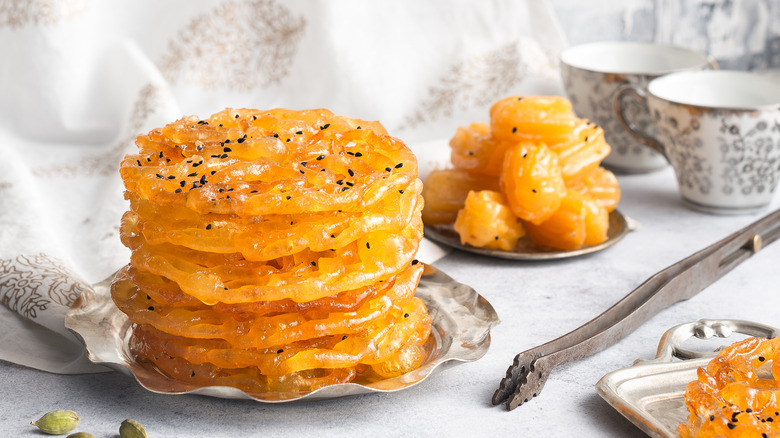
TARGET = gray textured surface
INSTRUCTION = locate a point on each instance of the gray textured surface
(740, 34)
(536, 302)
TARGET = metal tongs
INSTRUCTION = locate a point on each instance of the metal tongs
(530, 369)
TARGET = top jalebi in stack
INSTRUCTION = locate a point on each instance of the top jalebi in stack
(534, 169)
(273, 250)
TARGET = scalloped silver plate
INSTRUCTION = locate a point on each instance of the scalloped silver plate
(651, 393)
(619, 226)
(461, 319)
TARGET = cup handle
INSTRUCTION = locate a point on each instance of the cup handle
(639, 94)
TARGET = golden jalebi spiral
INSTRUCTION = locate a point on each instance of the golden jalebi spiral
(543, 161)
(273, 251)
(736, 395)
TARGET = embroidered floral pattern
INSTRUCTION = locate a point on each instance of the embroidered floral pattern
(238, 46)
(481, 80)
(18, 13)
(30, 283)
(107, 163)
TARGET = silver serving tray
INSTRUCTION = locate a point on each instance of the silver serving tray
(461, 323)
(651, 393)
(445, 234)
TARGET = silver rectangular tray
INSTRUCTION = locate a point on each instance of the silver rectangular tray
(651, 393)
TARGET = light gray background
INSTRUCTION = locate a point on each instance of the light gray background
(740, 34)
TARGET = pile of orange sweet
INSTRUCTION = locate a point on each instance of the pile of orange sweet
(734, 396)
(273, 251)
(535, 170)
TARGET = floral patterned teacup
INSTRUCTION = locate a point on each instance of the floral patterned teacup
(721, 132)
(593, 73)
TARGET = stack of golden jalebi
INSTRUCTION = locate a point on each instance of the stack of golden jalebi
(535, 170)
(273, 251)
(736, 395)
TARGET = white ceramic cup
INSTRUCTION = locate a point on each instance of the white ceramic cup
(721, 132)
(593, 73)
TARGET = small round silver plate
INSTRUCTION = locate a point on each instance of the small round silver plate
(525, 249)
(461, 323)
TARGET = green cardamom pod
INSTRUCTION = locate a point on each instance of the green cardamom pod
(131, 429)
(57, 422)
(80, 435)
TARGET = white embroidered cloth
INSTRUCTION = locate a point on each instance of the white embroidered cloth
(80, 79)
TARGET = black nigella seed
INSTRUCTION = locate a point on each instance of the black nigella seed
(240, 140)
(193, 174)
(406, 315)
(358, 154)
(514, 129)
(351, 173)
(171, 177)
(236, 115)
(344, 189)
(321, 157)
(415, 261)
(401, 192)
(182, 183)
(227, 141)
(303, 163)
(340, 182)
(160, 176)
(344, 337)
(533, 190)
(213, 172)
(276, 135)
(208, 227)
(138, 161)
(289, 197)
(368, 245)
(150, 308)
(325, 126)
(253, 191)
(388, 169)
(223, 156)
(399, 165)
(200, 147)
(227, 149)
(761, 358)
(299, 132)
(177, 190)
(279, 351)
